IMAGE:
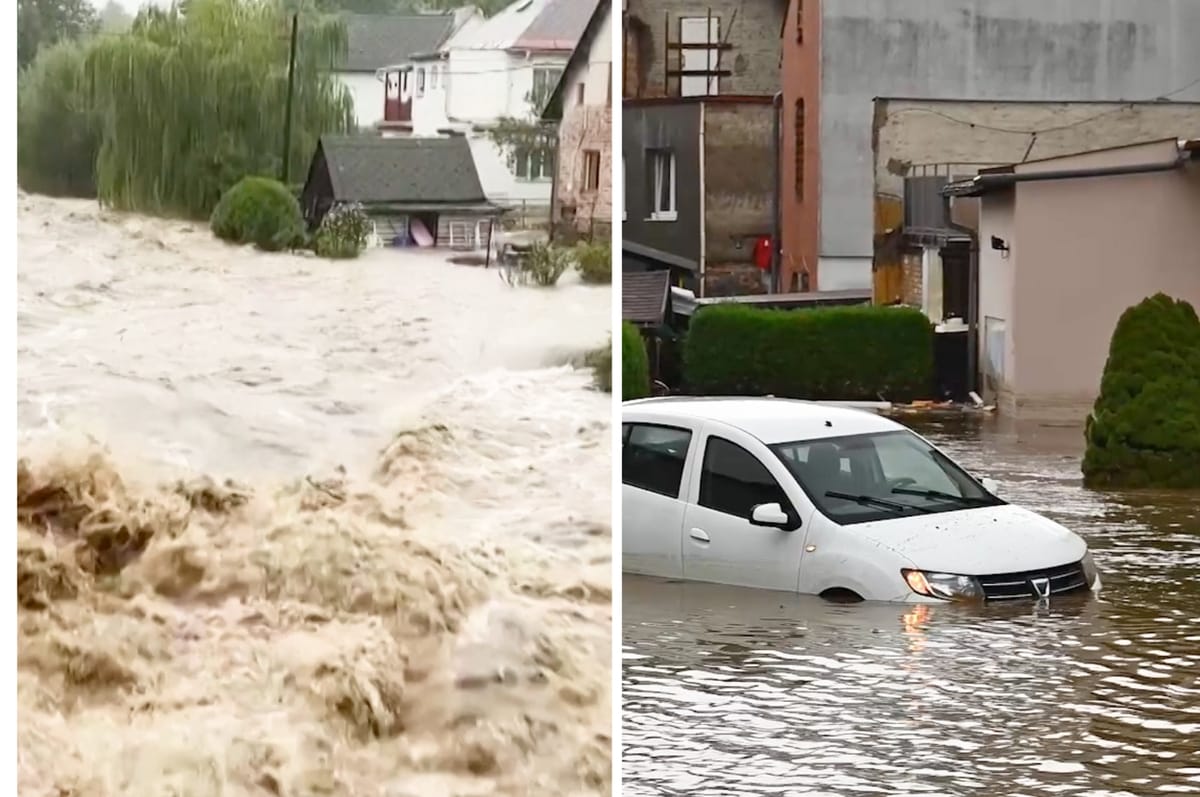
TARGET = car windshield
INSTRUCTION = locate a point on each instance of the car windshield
(861, 478)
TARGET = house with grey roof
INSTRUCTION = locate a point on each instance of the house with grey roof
(405, 184)
(504, 67)
(376, 40)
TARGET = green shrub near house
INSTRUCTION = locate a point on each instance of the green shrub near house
(635, 364)
(837, 353)
(594, 262)
(343, 232)
(545, 263)
(600, 361)
(1144, 430)
(259, 211)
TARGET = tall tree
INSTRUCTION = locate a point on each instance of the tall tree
(114, 18)
(41, 23)
(193, 100)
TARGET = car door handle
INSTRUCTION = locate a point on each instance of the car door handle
(700, 535)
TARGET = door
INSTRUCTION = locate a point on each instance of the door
(701, 35)
(720, 544)
(653, 463)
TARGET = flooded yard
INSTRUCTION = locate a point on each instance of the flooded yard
(731, 691)
(290, 526)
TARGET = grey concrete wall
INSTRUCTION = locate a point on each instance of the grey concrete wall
(921, 132)
(1065, 50)
(740, 179)
(675, 127)
(752, 28)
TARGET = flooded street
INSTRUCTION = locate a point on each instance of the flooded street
(738, 692)
(295, 527)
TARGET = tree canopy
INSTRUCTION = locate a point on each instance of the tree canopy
(42, 23)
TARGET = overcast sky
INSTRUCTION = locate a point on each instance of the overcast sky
(132, 6)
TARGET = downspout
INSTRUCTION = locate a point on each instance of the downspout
(703, 217)
(776, 221)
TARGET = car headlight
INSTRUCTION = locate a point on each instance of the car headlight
(946, 586)
(1089, 569)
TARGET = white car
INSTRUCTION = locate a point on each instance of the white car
(842, 503)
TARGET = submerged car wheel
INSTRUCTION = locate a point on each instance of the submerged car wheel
(841, 595)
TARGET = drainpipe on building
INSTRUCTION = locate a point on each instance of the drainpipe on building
(776, 221)
(703, 210)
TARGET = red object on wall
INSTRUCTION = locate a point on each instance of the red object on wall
(762, 253)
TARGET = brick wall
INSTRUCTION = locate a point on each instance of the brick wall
(739, 176)
(732, 279)
(752, 28)
(583, 128)
(911, 280)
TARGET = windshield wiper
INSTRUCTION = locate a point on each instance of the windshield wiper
(870, 499)
(938, 494)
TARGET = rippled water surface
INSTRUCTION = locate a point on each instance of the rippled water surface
(294, 527)
(740, 692)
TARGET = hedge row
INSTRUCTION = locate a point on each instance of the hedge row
(1144, 430)
(635, 364)
(838, 353)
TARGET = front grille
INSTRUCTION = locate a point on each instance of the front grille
(1013, 586)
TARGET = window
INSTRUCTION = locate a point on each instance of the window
(580, 92)
(433, 76)
(699, 38)
(533, 164)
(544, 81)
(892, 468)
(734, 481)
(653, 458)
(421, 82)
(662, 184)
(799, 21)
(591, 170)
(798, 136)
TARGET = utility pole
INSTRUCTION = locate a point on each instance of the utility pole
(287, 122)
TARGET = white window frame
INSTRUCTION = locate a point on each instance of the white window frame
(669, 213)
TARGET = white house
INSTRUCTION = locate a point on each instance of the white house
(376, 40)
(504, 67)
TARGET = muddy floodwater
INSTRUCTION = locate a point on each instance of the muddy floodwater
(739, 692)
(295, 527)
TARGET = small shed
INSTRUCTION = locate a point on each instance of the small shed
(409, 186)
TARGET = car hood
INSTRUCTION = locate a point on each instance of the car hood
(974, 542)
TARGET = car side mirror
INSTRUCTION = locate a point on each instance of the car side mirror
(771, 516)
(991, 485)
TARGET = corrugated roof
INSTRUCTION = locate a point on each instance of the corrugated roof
(379, 40)
(373, 169)
(644, 296)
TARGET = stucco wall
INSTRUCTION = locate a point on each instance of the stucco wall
(990, 49)
(1086, 250)
(752, 28)
(367, 92)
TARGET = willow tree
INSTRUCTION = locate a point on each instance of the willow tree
(193, 99)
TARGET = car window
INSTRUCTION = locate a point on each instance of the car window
(901, 460)
(653, 457)
(734, 481)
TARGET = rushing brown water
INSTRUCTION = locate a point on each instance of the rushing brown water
(295, 527)
(741, 692)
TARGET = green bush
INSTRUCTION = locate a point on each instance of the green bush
(600, 361)
(259, 211)
(344, 231)
(837, 353)
(545, 263)
(594, 262)
(58, 136)
(1144, 430)
(635, 365)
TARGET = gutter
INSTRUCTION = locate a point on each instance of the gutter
(984, 183)
(776, 209)
(703, 211)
